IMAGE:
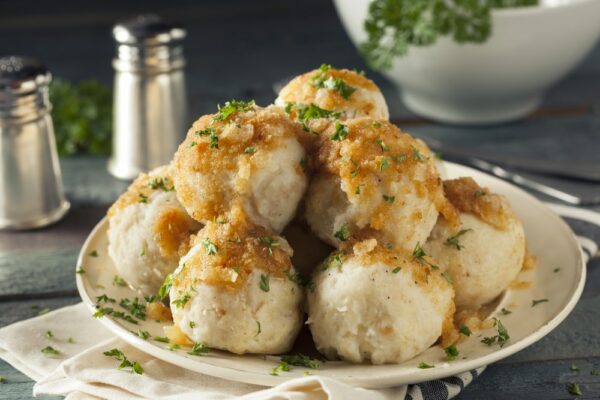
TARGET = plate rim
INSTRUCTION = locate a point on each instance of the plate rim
(265, 379)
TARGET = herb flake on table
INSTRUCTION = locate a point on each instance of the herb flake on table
(594, 372)
(117, 354)
(44, 311)
(574, 389)
(50, 352)
(574, 367)
(49, 334)
(536, 302)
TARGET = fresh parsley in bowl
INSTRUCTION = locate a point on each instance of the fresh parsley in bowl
(472, 61)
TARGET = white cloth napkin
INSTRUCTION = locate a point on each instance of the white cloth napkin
(81, 371)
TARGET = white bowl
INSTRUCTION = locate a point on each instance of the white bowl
(504, 78)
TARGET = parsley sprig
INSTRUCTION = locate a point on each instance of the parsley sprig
(117, 354)
(392, 26)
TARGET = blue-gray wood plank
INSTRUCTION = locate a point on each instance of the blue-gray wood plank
(239, 49)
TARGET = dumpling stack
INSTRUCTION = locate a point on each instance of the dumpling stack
(410, 249)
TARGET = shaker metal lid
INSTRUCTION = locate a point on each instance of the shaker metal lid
(21, 74)
(147, 29)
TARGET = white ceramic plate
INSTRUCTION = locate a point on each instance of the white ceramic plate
(549, 238)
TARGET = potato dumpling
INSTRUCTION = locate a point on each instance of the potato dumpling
(370, 304)
(237, 290)
(371, 177)
(243, 155)
(486, 252)
(148, 231)
(348, 92)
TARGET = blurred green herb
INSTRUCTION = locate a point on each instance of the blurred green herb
(82, 116)
(392, 26)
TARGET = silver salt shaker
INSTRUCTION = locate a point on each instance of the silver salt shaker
(31, 193)
(150, 105)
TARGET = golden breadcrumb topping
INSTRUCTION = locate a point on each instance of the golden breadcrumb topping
(226, 252)
(217, 149)
(467, 196)
(172, 232)
(375, 152)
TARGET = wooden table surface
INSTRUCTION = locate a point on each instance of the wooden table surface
(238, 50)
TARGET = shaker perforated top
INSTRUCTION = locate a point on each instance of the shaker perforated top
(148, 29)
(21, 74)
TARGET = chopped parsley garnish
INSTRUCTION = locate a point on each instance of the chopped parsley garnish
(419, 255)
(269, 242)
(258, 329)
(305, 113)
(388, 245)
(192, 324)
(424, 365)
(70, 340)
(356, 169)
(93, 253)
(125, 363)
(505, 311)
(182, 299)
(574, 389)
(1, 379)
(118, 281)
(282, 367)
(556, 270)
(300, 360)
(232, 107)
(174, 346)
(382, 144)
(479, 193)
(212, 134)
(142, 198)
(502, 337)
(49, 334)
(161, 339)
(160, 183)
(417, 156)
(143, 334)
(44, 311)
(465, 330)
(198, 350)
(50, 352)
(536, 302)
(104, 298)
(389, 199)
(454, 240)
(447, 277)
(320, 80)
(210, 247)
(192, 144)
(102, 311)
(342, 234)
(341, 132)
(250, 150)
(396, 270)
(594, 372)
(264, 282)
(80, 270)
(166, 287)
(333, 261)
(143, 251)
(136, 308)
(451, 352)
(298, 279)
(383, 164)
